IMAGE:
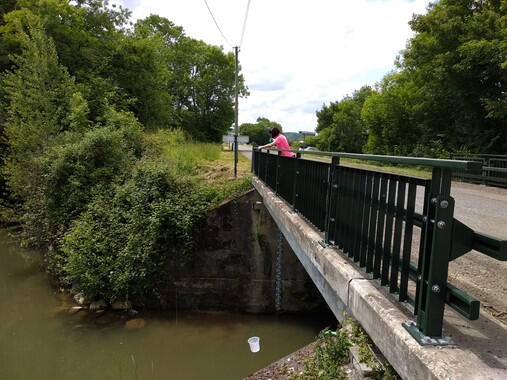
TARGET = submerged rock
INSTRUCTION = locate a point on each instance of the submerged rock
(135, 323)
(119, 305)
(80, 299)
(75, 309)
(98, 305)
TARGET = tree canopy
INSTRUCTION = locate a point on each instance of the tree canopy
(258, 132)
(340, 125)
(168, 80)
(72, 67)
(79, 88)
(447, 92)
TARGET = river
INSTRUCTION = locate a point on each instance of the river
(40, 339)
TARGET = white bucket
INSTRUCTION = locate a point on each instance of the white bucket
(254, 343)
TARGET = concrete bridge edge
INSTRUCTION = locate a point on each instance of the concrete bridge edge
(347, 289)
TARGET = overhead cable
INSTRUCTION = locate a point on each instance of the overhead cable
(244, 23)
(213, 17)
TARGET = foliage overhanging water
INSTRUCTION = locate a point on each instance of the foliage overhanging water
(40, 339)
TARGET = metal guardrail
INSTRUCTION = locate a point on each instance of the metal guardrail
(372, 217)
(492, 173)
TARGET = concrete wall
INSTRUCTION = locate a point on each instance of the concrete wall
(235, 263)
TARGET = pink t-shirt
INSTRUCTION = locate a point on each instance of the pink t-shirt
(281, 143)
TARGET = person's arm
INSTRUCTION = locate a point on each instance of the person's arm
(269, 145)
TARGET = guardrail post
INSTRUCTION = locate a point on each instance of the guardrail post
(486, 173)
(436, 252)
(295, 181)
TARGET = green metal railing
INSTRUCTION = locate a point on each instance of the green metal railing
(493, 172)
(373, 217)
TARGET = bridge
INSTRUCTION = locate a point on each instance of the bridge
(378, 247)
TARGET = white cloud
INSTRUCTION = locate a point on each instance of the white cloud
(297, 55)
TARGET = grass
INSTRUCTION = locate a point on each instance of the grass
(220, 170)
(210, 162)
(412, 171)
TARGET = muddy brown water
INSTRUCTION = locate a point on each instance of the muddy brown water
(40, 339)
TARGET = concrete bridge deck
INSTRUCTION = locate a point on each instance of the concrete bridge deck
(481, 351)
(482, 208)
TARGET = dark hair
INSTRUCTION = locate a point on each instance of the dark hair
(274, 131)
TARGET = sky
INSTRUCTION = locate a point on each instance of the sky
(296, 55)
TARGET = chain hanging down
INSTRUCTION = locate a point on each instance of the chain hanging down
(278, 274)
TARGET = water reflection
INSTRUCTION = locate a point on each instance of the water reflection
(41, 339)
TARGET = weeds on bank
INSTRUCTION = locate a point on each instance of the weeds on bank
(364, 344)
(332, 353)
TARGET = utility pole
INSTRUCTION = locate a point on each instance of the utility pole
(236, 49)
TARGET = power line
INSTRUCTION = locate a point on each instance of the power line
(213, 17)
(244, 23)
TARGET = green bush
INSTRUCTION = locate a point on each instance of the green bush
(116, 207)
(120, 246)
(70, 175)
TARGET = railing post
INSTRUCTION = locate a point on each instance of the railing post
(295, 181)
(266, 166)
(276, 173)
(432, 281)
(252, 168)
(332, 188)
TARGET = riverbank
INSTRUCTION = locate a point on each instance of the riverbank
(347, 354)
(43, 338)
(115, 211)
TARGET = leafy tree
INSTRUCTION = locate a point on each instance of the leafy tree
(70, 175)
(447, 93)
(143, 59)
(199, 79)
(311, 140)
(6, 6)
(42, 101)
(389, 114)
(179, 81)
(258, 132)
(340, 126)
(86, 33)
(206, 102)
(458, 58)
(156, 26)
